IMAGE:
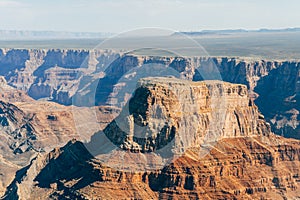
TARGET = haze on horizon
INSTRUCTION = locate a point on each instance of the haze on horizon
(123, 15)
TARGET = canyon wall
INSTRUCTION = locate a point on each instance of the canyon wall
(86, 78)
(52, 74)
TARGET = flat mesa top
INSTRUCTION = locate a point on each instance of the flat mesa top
(177, 81)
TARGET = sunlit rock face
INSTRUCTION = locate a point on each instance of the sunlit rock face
(191, 113)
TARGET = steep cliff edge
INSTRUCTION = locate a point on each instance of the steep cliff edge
(279, 96)
(246, 162)
(275, 87)
(163, 108)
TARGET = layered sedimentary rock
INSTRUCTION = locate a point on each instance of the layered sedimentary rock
(205, 111)
(92, 77)
(52, 74)
(240, 168)
(9, 93)
(246, 162)
(31, 128)
(272, 84)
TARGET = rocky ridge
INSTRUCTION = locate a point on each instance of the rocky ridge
(29, 127)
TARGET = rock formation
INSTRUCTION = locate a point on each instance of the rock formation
(29, 127)
(162, 108)
(16, 125)
(71, 77)
(52, 74)
(272, 84)
(246, 162)
(9, 93)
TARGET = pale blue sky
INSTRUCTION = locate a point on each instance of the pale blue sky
(122, 15)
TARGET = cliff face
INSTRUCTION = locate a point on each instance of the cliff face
(162, 108)
(237, 168)
(100, 77)
(279, 98)
(275, 88)
(52, 74)
(246, 162)
(272, 84)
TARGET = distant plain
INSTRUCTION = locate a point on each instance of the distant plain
(270, 46)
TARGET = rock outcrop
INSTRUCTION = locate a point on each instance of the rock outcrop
(29, 128)
(9, 93)
(17, 136)
(246, 162)
(163, 108)
(17, 128)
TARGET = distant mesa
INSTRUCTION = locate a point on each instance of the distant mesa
(234, 31)
(40, 35)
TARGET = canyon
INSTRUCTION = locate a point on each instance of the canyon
(243, 159)
(203, 126)
(97, 77)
